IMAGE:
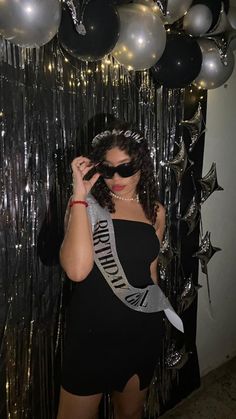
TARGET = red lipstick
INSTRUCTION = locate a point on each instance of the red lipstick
(117, 188)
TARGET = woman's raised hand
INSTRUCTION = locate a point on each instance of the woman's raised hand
(80, 167)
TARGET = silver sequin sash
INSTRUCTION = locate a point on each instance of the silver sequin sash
(150, 299)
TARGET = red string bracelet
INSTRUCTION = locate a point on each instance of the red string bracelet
(78, 202)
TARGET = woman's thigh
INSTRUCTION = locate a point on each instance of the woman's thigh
(129, 402)
(72, 406)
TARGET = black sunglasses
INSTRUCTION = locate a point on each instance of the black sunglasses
(123, 170)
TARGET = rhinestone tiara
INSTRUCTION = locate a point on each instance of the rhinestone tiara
(127, 134)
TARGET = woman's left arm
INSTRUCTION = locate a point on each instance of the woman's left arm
(160, 229)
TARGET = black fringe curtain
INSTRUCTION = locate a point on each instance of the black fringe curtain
(51, 105)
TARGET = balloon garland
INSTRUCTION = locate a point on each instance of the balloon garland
(171, 36)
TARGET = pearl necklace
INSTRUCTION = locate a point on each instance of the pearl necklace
(136, 199)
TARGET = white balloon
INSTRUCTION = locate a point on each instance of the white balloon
(29, 23)
(215, 69)
(176, 9)
(198, 20)
(142, 37)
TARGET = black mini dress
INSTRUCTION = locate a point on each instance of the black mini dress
(107, 342)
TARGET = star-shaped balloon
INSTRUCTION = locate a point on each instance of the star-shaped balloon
(188, 294)
(209, 183)
(221, 24)
(195, 126)
(176, 358)
(163, 275)
(192, 215)
(166, 253)
(204, 254)
(230, 38)
(205, 251)
(179, 163)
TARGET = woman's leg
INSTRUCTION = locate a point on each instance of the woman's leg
(129, 403)
(72, 406)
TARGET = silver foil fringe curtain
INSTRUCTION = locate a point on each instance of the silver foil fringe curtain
(48, 108)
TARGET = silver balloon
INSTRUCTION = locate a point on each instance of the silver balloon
(176, 9)
(142, 37)
(198, 20)
(29, 23)
(151, 4)
(216, 67)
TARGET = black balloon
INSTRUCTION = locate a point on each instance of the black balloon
(192, 97)
(73, 61)
(215, 8)
(180, 63)
(102, 25)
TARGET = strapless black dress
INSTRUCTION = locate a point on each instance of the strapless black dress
(107, 342)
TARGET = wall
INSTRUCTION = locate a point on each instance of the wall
(216, 335)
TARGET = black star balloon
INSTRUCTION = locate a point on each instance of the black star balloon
(166, 253)
(205, 251)
(204, 254)
(209, 183)
(176, 358)
(195, 126)
(192, 215)
(230, 38)
(179, 163)
(221, 24)
(188, 294)
(163, 275)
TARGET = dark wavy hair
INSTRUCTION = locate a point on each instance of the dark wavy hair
(139, 152)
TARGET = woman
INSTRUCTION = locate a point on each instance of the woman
(110, 249)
